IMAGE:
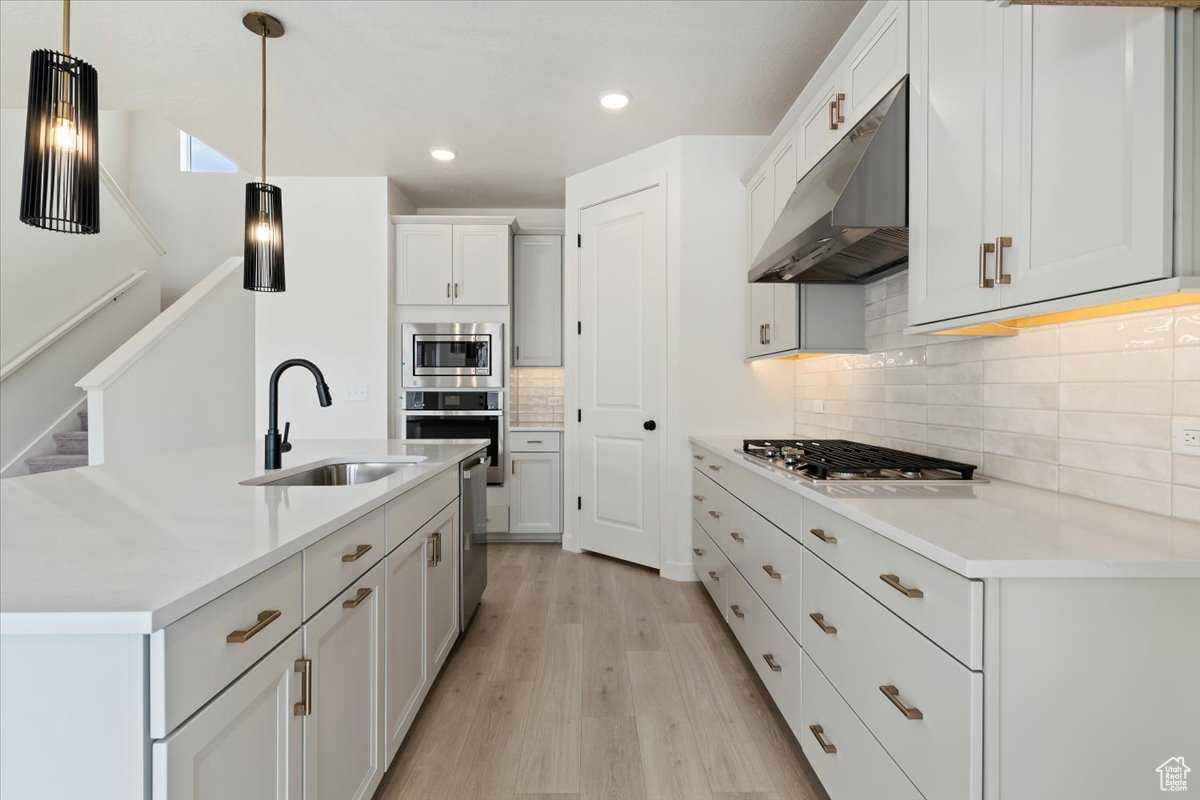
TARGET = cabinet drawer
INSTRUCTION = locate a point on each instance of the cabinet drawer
(861, 647)
(770, 561)
(405, 515)
(711, 567)
(771, 649)
(781, 507)
(193, 658)
(843, 753)
(533, 441)
(949, 609)
(710, 506)
(332, 563)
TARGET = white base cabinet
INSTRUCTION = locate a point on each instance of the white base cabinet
(535, 484)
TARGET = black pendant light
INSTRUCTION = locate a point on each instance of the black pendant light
(60, 181)
(262, 270)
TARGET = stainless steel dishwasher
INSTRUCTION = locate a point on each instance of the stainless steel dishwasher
(472, 576)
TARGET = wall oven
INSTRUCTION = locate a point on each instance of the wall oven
(452, 355)
(458, 415)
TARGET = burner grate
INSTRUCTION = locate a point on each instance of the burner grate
(826, 458)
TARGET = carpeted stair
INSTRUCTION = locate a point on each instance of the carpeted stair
(72, 450)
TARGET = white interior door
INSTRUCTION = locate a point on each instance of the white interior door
(622, 266)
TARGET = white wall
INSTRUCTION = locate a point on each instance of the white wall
(710, 388)
(336, 310)
(196, 215)
(46, 278)
(182, 382)
(526, 217)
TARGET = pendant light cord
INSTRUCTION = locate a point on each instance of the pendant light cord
(67, 27)
(264, 102)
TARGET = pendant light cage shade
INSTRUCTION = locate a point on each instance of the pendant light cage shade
(60, 182)
(262, 270)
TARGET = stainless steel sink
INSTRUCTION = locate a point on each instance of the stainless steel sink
(345, 473)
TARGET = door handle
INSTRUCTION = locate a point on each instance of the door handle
(649, 424)
(984, 281)
(1001, 243)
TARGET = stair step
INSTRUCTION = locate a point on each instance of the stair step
(71, 443)
(83, 420)
(54, 463)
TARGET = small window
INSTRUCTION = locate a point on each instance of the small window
(196, 156)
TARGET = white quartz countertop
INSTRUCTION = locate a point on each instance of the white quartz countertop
(130, 548)
(1000, 529)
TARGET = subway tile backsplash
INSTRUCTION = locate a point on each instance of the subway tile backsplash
(535, 396)
(1082, 408)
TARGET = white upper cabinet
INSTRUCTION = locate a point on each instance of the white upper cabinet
(1041, 154)
(442, 264)
(1090, 146)
(481, 265)
(771, 307)
(423, 264)
(954, 154)
(819, 125)
(761, 209)
(876, 65)
(537, 301)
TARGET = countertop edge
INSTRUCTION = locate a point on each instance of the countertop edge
(968, 568)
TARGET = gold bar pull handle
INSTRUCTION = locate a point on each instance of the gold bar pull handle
(430, 553)
(984, 281)
(697, 551)
(358, 553)
(1001, 243)
(265, 618)
(832, 111)
(837, 106)
(737, 537)
(698, 498)
(820, 620)
(715, 514)
(772, 663)
(893, 694)
(770, 570)
(698, 458)
(354, 602)
(304, 707)
(819, 732)
(712, 573)
(714, 467)
(437, 547)
(894, 582)
(823, 536)
(737, 611)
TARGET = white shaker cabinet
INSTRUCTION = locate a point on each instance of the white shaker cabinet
(1041, 152)
(441, 599)
(481, 265)
(343, 715)
(407, 677)
(424, 256)
(771, 307)
(535, 484)
(443, 263)
(247, 743)
(537, 301)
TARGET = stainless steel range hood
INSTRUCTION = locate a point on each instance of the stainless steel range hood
(847, 219)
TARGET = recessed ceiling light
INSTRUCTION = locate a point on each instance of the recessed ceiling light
(442, 153)
(614, 99)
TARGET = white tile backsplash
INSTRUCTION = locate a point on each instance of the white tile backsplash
(1083, 408)
(535, 396)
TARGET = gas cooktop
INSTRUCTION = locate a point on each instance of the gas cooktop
(839, 460)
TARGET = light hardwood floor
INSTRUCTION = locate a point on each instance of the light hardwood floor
(584, 677)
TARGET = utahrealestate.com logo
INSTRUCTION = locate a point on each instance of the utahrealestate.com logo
(1172, 775)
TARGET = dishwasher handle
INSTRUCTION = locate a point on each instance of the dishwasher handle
(484, 460)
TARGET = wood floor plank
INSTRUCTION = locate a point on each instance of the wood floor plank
(510, 555)
(553, 735)
(635, 594)
(605, 671)
(490, 624)
(491, 747)
(521, 648)
(611, 767)
(671, 600)
(791, 773)
(567, 606)
(598, 586)
(747, 796)
(731, 761)
(543, 560)
(724, 644)
(671, 759)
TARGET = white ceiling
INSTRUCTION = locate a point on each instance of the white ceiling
(365, 88)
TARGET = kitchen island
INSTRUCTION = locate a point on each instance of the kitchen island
(957, 639)
(169, 628)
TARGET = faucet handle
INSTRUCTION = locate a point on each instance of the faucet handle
(286, 446)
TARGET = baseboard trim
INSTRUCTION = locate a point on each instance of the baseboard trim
(681, 571)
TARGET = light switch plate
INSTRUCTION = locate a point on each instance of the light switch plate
(355, 393)
(1185, 435)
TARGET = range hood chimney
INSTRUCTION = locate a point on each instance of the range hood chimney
(847, 219)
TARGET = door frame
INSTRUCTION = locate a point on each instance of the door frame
(597, 190)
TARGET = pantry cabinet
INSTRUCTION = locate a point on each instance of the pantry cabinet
(444, 263)
(537, 301)
(1041, 153)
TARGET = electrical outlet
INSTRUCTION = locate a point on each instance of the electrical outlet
(356, 393)
(1185, 435)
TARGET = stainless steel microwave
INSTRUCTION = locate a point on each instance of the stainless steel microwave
(452, 355)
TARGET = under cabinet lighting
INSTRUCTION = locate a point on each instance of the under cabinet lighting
(1012, 327)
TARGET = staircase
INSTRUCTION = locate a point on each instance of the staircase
(72, 450)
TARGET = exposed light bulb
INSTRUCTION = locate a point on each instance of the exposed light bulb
(262, 232)
(63, 134)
